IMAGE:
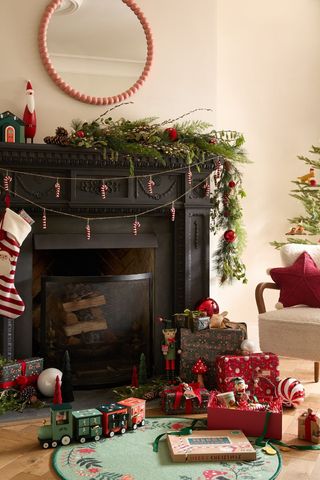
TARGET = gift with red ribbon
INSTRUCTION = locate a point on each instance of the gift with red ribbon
(185, 398)
(309, 426)
(20, 373)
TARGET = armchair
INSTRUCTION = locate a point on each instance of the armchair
(291, 331)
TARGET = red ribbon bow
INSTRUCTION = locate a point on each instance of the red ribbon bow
(311, 417)
(179, 391)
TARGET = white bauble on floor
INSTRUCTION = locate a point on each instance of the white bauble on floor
(47, 381)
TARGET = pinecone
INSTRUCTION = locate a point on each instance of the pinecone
(151, 395)
(60, 138)
(27, 393)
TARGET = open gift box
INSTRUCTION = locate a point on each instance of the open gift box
(251, 422)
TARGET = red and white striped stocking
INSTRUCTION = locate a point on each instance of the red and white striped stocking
(13, 231)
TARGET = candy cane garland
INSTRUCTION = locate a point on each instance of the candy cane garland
(57, 187)
(6, 181)
(44, 219)
(173, 212)
(151, 184)
(189, 176)
(88, 230)
(135, 226)
(103, 190)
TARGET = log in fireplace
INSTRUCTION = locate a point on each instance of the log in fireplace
(176, 253)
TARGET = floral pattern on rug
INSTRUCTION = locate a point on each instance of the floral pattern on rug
(102, 460)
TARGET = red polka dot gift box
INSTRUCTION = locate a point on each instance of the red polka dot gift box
(260, 371)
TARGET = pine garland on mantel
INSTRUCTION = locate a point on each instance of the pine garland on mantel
(189, 142)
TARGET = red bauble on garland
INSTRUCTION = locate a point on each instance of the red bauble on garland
(172, 133)
(230, 236)
(232, 184)
(80, 134)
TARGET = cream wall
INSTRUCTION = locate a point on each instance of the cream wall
(182, 77)
(256, 63)
(268, 79)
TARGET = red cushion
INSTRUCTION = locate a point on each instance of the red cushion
(300, 283)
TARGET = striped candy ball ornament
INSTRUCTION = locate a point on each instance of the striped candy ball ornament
(291, 391)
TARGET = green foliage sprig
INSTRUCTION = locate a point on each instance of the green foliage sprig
(190, 142)
(226, 214)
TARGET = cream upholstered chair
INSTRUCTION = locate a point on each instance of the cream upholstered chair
(291, 331)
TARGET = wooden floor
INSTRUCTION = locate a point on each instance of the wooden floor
(21, 458)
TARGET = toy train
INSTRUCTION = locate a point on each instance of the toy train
(92, 424)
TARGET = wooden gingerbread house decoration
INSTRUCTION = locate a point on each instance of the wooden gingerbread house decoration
(11, 128)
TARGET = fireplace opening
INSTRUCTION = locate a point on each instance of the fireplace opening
(98, 304)
(105, 322)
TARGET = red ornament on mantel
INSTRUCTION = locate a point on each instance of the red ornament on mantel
(232, 184)
(172, 133)
(80, 134)
(230, 236)
(313, 182)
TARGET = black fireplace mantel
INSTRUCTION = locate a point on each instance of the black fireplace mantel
(186, 240)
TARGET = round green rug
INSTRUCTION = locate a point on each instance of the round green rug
(130, 457)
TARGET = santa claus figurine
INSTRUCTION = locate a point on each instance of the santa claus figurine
(29, 116)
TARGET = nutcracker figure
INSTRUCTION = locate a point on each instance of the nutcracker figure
(169, 351)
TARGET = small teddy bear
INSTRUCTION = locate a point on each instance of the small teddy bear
(217, 320)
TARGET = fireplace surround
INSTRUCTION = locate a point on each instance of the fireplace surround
(180, 248)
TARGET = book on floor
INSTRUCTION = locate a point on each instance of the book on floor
(210, 445)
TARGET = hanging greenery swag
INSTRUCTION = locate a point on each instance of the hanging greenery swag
(190, 142)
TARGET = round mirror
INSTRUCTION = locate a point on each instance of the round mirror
(94, 49)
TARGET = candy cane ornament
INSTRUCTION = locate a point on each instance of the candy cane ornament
(6, 182)
(44, 219)
(173, 212)
(189, 176)
(103, 190)
(88, 230)
(57, 187)
(206, 187)
(151, 184)
(135, 226)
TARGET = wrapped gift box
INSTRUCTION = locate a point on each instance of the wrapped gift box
(208, 344)
(10, 371)
(309, 427)
(250, 421)
(260, 371)
(174, 399)
(193, 319)
(30, 368)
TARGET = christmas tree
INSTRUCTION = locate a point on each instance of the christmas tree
(142, 370)
(66, 386)
(307, 191)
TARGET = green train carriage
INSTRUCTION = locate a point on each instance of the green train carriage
(80, 425)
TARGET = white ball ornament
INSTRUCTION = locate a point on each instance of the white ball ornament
(291, 391)
(47, 380)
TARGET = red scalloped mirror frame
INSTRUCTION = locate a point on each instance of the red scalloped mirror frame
(49, 11)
